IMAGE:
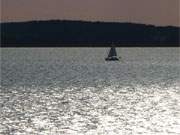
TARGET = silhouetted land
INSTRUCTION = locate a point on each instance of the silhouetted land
(86, 34)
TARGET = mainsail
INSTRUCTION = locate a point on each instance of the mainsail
(112, 56)
(112, 52)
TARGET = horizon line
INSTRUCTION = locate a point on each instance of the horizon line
(90, 21)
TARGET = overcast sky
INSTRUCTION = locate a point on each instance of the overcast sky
(157, 12)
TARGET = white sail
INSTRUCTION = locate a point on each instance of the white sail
(112, 52)
(112, 56)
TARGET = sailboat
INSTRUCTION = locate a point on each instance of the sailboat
(112, 56)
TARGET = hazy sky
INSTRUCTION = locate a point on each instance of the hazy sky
(158, 12)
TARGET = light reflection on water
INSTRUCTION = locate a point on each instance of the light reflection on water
(53, 91)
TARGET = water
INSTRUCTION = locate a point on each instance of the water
(74, 91)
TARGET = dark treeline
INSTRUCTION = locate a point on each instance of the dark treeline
(86, 34)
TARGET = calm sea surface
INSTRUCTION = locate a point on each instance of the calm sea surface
(74, 91)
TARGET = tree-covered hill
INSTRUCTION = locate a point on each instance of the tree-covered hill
(56, 33)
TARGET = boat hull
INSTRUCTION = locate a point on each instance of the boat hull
(112, 59)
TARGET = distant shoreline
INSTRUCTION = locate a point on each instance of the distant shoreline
(64, 33)
(88, 21)
(82, 46)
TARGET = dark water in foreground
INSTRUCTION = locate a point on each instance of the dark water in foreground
(73, 91)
